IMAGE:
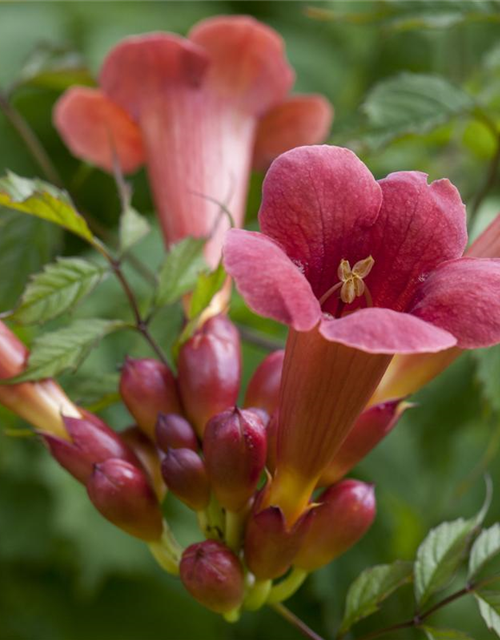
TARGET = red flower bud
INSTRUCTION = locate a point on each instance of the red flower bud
(148, 387)
(213, 575)
(92, 442)
(148, 456)
(264, 387)
(209, 368)
(345, 513)
(185, 475)
(174, 432)
(122, 494)
(369, 429)
(234, 446)
(270, 547)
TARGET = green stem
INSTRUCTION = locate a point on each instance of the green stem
(296, 621)
(258, 595)
(287, 587)
(235, 522)
(167, 552)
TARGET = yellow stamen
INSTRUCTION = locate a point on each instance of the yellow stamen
(352, 279)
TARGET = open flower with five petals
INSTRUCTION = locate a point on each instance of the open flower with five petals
(360, 270)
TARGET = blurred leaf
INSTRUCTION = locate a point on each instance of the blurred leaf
(180, 270)
(133, 227)
(57, 289)
(54, 68)
(489, 607)
(488, 373)
(491, 60)
(413, 103)
(40, 199)
(371, 588)
(440, 555)
(445, 634)
(93, 390)
(52, 353)
(207, 285)
(484, 549)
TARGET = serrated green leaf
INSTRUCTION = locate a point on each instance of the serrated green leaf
(52, 353)
(57, 289)
(484, 549)
(41, 199)
(371, 588)
(180, 270)
(55, 68)
(488, 373)
(413, 103)
(207, 285)
(445, 634)
(440, 555)
(133, 227)
(489, 607)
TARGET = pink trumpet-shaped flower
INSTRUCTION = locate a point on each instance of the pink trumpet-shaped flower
(41, 403)
(360, 270)
(196, 110)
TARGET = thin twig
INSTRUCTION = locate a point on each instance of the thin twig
(296, 621)
(258, 339)
(31, 141)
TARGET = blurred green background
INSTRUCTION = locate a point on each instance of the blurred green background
(65, 573)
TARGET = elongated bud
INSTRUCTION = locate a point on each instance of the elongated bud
(174, 432)
(122, 494)
(345, 513)
(270, 546)
(213, 575)
(210, 371)
(92, 442)
(272, 442)
(147, 387)
(148, 456)
(370, 428)
(264, 387)
(185, 475)
(234, 446)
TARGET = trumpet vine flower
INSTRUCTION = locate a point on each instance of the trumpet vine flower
(359, 270)
(198, 111)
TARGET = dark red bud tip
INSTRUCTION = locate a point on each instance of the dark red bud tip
(264, 387)
(185, 475)
(174, 432)
(270, 546)
(147, 388)
(92, 441)
(372, 426)
(345, 513)
(209, 368)
(213, 575)
(122, 494)
(235, 447)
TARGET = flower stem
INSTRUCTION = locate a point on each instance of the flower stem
(167, 552)
(235, 521)
(257, 595)
(296, 621)
(287, 587)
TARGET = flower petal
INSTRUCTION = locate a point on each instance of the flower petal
(487, 244)
(298, 121)
(463, 297)
(376, 330)
(420, 225)
(268, 281)
(247, 61)
(318, 203)
(140, 69)
(93, 128)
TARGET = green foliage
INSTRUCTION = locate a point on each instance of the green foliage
(133, 228)
(484, 549)
(207, 285)
(445, 634)
(489, 607)
(57, 289)
(180, 270)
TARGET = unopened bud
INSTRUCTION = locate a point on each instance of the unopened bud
(92, 442)
(210, 370)
(185, 475)
(234, 446)
(345, 513)
(148, 456)
(213, 575)
(369, 429)
(148, 387)
(271, 546)
(264, 387)
(122, 494)
(174, 432)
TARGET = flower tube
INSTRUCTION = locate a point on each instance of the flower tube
(197, 111)
(360, 270)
